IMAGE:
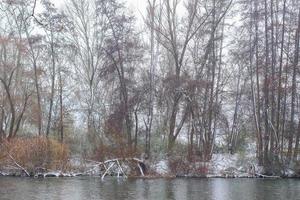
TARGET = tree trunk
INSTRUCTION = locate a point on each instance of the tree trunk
(294, 87)
(52, 85)
(294, 93)
(266, 90)
(61, 120)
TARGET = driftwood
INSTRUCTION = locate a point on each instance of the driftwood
(117, 162)
(106, 171)
(107, 165)
(120, 169)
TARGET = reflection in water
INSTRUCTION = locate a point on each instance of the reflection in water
(181, 189)
(220, 190)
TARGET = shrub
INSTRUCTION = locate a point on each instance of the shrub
(179, 166)
(37, 152)
(103, 152)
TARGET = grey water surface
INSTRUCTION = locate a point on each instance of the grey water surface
(114, 189)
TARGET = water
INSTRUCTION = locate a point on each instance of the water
(181, 189)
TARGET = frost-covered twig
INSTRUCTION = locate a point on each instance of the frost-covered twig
(111, 165)
(18, 165)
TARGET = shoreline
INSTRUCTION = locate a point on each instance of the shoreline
(146, 177)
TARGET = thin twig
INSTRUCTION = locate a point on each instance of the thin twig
(18, 165)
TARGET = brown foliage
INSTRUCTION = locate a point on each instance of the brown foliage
(33, 153)
(181, 166)
(104, 152)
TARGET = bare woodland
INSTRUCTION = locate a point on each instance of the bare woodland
(92, 76)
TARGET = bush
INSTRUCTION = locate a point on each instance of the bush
(37, 152)
(181, 166)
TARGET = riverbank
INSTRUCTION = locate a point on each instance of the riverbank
(72, 175)
(19, 173)
(220, 166)
(40, 157)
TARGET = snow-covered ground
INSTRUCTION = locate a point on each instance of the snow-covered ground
(241, 164)
(162, 167)
(240, 161)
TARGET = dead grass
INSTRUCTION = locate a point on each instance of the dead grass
(33, 153)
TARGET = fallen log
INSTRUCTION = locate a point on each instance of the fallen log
(106, 171)
(265, 176)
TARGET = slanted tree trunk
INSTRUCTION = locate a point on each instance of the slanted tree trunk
(279, 89)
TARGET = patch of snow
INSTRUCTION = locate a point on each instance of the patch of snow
(67, 175)
(4, 174)
(238, 165)
(221, 162)
(289, 173)
(53, 174)
(162, 167)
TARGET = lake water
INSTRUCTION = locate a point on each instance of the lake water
(181, 189)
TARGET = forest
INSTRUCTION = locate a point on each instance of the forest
(181, 80)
